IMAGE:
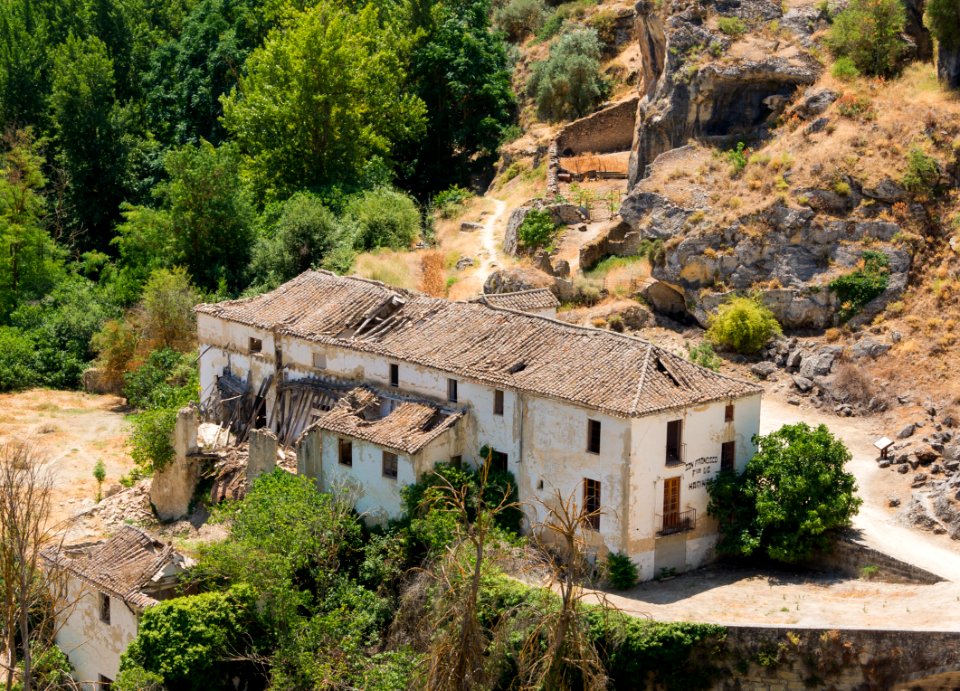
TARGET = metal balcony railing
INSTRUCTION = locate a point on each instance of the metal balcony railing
(676, 522)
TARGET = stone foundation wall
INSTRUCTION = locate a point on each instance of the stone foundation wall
(605, 131)
(850, 558)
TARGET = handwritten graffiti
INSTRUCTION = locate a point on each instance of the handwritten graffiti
(702, 467)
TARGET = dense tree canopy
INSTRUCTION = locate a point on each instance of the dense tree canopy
(792, 493)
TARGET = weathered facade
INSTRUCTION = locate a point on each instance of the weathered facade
(613, 420)
(108, 586)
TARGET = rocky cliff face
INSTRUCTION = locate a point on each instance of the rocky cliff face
(698, 84)
(948, 66)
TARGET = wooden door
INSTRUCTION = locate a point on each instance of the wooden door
(671, 502)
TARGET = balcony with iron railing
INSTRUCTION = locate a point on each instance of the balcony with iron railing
(676, 522)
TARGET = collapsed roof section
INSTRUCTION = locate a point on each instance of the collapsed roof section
(614, 373)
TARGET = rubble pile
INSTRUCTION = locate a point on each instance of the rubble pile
(125, 507)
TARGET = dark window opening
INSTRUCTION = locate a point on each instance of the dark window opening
(105, 683)
(390, 465)
(591, 502)
(593, 436)
(104, 608)
(675, 441)
(517, 367)
(452, 390)
(498, 460)
(728, 413)
(256, 345)
(394, 375)
(456, 461)
(346, 452)
(498, 402)
(728, 455)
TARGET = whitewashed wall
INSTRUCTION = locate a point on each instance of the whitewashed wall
(93, 646)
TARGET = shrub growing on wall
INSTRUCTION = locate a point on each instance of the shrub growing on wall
(537, 230)
(861, 286)
(870, 33)
(743, 324)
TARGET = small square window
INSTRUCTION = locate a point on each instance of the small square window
(498, 402)
(256, 345)
(728, 413)
(728, 455)
(346, 452)
(498, 460)
(593, 436)
(390, 465)
(104, 608)
(394, 375)
(320, 360)
(456, 461)
(452, 390)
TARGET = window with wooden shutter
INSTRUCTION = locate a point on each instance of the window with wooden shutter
(728, 413)
(390, 465)
(728, 455)
(671, 502)
(591, 502)
(346, 452)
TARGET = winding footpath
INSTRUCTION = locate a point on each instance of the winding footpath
(488, 240)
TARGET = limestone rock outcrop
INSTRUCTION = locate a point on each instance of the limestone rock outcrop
(562, 214)
(722, 99)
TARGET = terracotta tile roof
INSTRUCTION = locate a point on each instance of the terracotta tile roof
(408, 428)
(123, 566)
(615, 373)
(522, 300)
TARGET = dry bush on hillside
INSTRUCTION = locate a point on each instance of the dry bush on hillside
(855, 386)
(432, 278)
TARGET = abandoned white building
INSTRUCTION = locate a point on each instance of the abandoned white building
(108, 586)
(387, 382)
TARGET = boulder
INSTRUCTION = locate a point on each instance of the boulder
(906, 431)
(814, 102)
(763, 369)
(802, 383)
(516, 279)
(469, 227)
(664, 298)
(886, 191)
(926, 454)
(869, 347)
(465, 263)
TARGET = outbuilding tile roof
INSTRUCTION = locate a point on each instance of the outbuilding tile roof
(409, 427)
(599, 369)
(122, 566)
(522, 300)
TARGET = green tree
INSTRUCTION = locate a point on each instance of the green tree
(743, 324)
(89, 136)
(99, 474)
(568, 85)
(145, 242)
(323, 102)
(24, 64)
(16, 360)
(211, 213)
(30, 262)
(943, 18)
(189, 642)
(870, 32)
(303, 234)
(537, 230)
(167, 314)
(461, 72)
(789, 498)
(385, 218)
(520, 18)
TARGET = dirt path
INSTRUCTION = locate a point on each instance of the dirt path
(876, 522)
(73, 430)
(488, 240)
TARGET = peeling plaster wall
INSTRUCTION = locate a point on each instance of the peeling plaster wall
(94, 647)
(544, 439)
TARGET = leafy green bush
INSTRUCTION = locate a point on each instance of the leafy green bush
(743, 324)
(16, 360)
(732, 26)
(738, 158)
(189, 641)
(167, 379)
(703, 354)
(151, 440)
(922, 174)
(844, 69)
(450, 201)
(604, 23)
(568, 84)
(788, 499)
(551, 25)
(621, 571)
(138, 679)
(859, 287)
(869, 32)
(537, 230)
(385, 218)
(519, 18)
